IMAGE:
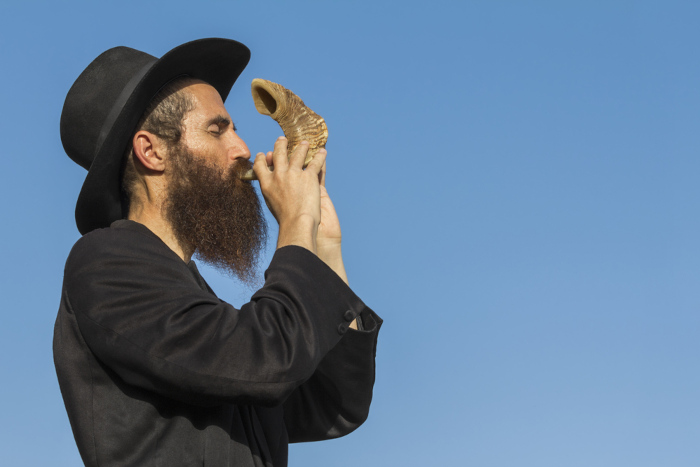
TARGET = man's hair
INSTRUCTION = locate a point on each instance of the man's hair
(163, 117)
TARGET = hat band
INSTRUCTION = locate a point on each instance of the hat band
(119, 105)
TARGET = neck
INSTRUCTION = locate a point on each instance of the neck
(152, 217)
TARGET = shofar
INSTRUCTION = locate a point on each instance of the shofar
(298, 122)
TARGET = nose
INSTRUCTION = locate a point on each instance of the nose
(237, 148)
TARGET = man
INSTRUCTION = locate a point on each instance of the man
(154, 369)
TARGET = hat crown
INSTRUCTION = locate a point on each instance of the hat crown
(93, 97)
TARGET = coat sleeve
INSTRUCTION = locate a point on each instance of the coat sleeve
(336, 399)
(142, 314)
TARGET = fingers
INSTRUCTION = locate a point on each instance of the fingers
(322, 175)
(299, 155)
(317, 164)
(279, 153)
(260, 166)
(277, 159)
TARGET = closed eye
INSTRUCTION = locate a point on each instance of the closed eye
(218, 125)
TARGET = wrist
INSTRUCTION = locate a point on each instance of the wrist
(300, 231)
(328, 244)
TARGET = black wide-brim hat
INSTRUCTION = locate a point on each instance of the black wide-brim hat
(106, 102)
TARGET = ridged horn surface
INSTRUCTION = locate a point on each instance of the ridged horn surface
(298, 122)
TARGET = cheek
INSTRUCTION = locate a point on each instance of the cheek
(212, 150)
(194, 144)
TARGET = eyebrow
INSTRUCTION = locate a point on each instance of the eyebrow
(221, 120)
(218, 120)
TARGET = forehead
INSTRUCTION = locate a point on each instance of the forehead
(208, 102)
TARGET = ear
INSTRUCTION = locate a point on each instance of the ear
(150, 150)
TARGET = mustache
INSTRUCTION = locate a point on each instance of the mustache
(239, 168)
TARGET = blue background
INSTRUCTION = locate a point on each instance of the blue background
(518, 188)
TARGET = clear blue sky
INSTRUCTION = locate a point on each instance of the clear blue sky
(518, 188)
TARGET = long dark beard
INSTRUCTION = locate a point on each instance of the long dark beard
(216, 214)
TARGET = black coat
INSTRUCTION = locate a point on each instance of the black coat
(155, 370)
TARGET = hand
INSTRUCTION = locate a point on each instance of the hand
(292, 194)
(328, 238)
(329, 235)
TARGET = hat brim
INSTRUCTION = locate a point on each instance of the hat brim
(218, 62)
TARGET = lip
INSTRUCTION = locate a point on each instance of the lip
(241, 165)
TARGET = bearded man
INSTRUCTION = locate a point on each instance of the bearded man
(154, 369)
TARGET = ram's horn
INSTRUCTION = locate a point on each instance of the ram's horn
(298, 122)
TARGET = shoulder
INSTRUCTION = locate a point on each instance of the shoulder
(124, 239)
(124, 249)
